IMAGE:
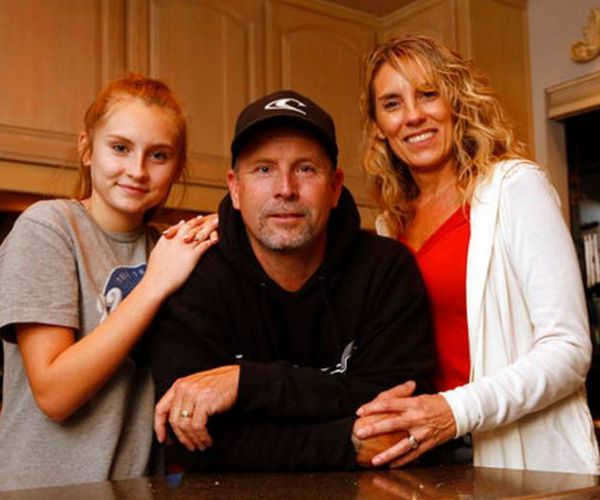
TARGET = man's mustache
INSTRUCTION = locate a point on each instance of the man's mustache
(284, 209)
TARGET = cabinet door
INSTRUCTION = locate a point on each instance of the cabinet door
(208, 51)
(55, 55)
(499, 47)
(434, 17)
(319, 52)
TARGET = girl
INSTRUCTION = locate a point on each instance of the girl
(79, 287)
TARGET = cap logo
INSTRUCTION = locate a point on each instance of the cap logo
(288, 103)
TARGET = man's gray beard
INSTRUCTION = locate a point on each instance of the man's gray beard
(282, 240)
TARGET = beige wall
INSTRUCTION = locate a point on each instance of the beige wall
(554, 25)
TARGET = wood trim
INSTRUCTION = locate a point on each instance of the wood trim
(112, 40)
(462, 28)
(333, 10)
(205, 169)
(38, 146)
(529, 129)
(196, 197)
(16, 202)
(38, 179)
(573, 97)
(137, 41)
(518, 4)
(409, 10)
(458, 34)
(462, 6)
(272, 69)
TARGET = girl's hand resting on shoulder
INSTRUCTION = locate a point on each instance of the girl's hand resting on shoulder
(199, 228)
(177, 252)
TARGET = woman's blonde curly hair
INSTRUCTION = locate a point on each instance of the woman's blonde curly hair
(482, 134)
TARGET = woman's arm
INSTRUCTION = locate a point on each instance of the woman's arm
(541, 347)
(64, 374)
(427, 418)
(543, 259)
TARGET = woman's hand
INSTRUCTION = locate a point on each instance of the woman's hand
(366, 449)
(178, 251)
(427, 418)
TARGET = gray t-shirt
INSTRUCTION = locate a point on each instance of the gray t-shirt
(57, 267)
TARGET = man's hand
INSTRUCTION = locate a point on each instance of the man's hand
(191, 400)
(370, 447)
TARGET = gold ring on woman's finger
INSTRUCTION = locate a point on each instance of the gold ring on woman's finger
(185, 414)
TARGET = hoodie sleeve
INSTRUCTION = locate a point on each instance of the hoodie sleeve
(252, 443)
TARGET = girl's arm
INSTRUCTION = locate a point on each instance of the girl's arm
(64, 374)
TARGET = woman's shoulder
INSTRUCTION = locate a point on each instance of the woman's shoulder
(516, 168)
(510, 174)
(521, 177)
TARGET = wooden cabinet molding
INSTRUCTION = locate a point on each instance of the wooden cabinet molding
(435, 17)
(574, 97)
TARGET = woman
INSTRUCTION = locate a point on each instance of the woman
(79, 290)
(498, 262)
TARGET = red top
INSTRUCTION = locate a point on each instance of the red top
(443, 263)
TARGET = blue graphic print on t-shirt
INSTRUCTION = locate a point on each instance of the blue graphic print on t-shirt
(120, 282)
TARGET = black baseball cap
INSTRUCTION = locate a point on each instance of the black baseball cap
(285, 108)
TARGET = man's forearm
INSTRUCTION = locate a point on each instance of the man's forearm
(249, 443)
(281, 390)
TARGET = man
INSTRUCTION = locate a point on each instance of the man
(296, 318)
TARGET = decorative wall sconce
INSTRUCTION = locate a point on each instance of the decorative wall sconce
(587, 49)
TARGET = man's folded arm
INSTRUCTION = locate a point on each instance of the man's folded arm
(395, 345)
(252, 443)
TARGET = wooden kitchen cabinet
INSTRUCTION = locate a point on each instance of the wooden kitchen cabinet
(217, 56)
(55, 55)
(211, 54)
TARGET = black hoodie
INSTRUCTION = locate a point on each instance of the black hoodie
(308, 359)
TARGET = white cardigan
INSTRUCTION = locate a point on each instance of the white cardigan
(529, 341)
